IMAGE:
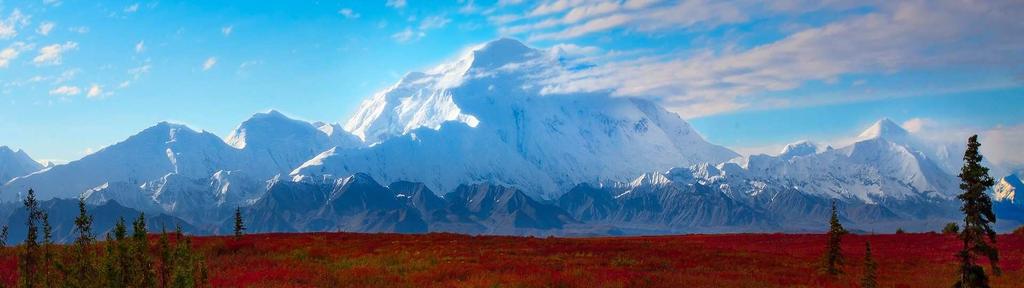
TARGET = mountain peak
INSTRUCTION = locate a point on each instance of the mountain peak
(800, 148)
(269, 114)
(883, 128)
(499, 52)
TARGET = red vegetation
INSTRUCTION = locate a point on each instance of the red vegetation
(449, 260)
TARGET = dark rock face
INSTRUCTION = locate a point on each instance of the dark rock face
(62, 214)
(357, 203)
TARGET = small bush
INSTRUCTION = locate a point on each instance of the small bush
(899, 231)
(1019, 231)
(951, 228)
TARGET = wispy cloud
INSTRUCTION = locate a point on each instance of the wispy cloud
(66, 91)
(52, 54)
(209, 63)
(9, 26)
(141, 46)
(226, 30)
(348, 13)
(45, 28)
(132, 8)
(95, 91)
(397, 4)
(899, 36)
(434, 22)
(428, 23)
(407, 35)
(11, 52)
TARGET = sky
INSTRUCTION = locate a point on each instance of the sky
(76, 76)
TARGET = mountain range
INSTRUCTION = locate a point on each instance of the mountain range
(480, 145)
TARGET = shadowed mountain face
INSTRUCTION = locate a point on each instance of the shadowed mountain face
(62, 214)
(358, 203)
(15, 163)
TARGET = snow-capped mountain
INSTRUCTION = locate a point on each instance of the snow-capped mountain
(16, 163)
(878, 182)
(167, 159)
(153, 153)
(282, 143)
(485, 118)
(1006, 189)
(884, 164)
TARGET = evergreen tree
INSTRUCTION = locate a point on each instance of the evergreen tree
(142, 266)
(870, 277)
(47, 266)
(166, 263)
(82, 261)
(977, 235)
(239, 226)
(117, 264)
(833, 252)
(3, 236)
(184, 269)
(28, 264)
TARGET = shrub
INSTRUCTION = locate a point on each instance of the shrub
(951, 229)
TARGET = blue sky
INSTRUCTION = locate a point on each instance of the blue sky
(76, 76)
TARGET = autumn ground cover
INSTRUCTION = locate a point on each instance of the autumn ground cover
(451, 260)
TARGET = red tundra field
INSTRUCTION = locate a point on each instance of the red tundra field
(450, 260)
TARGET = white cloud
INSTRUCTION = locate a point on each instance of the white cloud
(94, 91)
(9, 26)
(11, 52)
(398, 4)
(139, 71)
(407, 35)
(66, 91)
(45, 28)
(584, 18)
(569, 49)
(132, 8)
(434, 22)
(141, 46)
(900, 37)
(209, 63)
(79, 29)
(1002, 146)
(226, 30)
(52, 54)
(348, 13)
(915, 125)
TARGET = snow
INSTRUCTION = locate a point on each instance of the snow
(263, 146)
(481, 118)
(1006, 189)
(15, 164)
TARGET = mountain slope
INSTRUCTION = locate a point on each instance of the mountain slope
(16, 163)
(156, 151)
(484, 118)
(263, 146)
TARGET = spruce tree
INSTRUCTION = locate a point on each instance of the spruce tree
(166, 263)
(239, 226)
(47, 266)
(142, 266)
(82, 262)
(28, 264)
(117, 264)
(183, 275)
(977, 234)
(833, 252)
(870, 277)
(3, 236)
